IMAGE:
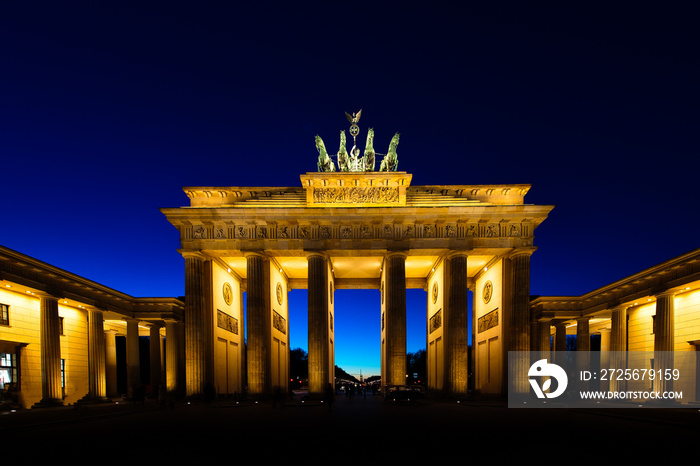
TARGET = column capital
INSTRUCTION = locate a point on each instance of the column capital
(619, 307)
(456, 253)
(665, 294)
(321, 254)
(187, 254)
(45, 295)
(398, 253)
(259, 254)
(521, 252)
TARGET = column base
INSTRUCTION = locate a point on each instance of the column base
(55, 403)
(87, 399)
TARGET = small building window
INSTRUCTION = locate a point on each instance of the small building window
(4, 314)
(8, 372)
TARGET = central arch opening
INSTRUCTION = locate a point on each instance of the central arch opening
(357, 328)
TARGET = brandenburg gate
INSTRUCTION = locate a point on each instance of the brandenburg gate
(349, 228)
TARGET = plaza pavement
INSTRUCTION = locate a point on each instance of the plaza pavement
(353, 430)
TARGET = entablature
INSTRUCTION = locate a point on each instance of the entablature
(356, 189)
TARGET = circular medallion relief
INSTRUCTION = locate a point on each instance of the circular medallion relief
(280, 295)
(228, 293)
(488, 291)
(435, 292)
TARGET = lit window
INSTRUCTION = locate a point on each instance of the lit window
(4, 314)
(8, 371)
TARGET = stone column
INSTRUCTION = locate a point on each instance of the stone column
(560, 336)
(97, 356)
(518, 318)
(318, 324)
(51, 389)
(395, 319)
(583, 348)
(111, 362)
(258, 310)
(133, 363)
(618, 344)
(542, 343)
(456, 324)
(173, 356)
(583, 336)
(664, 339)
(196, 331)
(604, 340)
(155, 358)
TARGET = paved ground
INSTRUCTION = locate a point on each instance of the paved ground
(358, 429)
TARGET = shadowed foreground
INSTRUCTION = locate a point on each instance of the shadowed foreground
(357, 429)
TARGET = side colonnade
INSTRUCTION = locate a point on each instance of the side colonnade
(653, 311)
(59, 338)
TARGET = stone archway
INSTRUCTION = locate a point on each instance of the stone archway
(361, 230)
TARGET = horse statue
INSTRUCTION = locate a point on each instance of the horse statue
(369, 151)
(343, 157)
(325, 164)
(391, 161)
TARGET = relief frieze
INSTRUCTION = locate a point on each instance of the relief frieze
(356, 195)
(488, 321)
(435, 321)
(279, 322)
(387, 231)
(226, 322)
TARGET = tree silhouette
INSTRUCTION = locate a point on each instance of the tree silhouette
(415, 367)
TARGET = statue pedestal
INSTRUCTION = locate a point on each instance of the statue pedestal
(356, 189)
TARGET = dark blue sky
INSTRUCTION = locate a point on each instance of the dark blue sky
(107, 109)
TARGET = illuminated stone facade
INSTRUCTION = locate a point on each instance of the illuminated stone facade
(59, 332)
(360, 230)
(655, 310)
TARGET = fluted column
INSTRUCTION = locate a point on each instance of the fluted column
(173, 357)
(456, 324)
(664, 338)
(518, 319)
(196, 328)
(155, 357)
(618, 344)
(543, 334)
(133, 363)
(51, 390)
(318, 324)
(258, 310)
(560, 336)
(395, 314)
(97, 355)
(583, 336)
(560, 341)
(583, 348)
(111, 362)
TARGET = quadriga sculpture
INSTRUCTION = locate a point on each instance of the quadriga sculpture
(325, 164)
(391, 160)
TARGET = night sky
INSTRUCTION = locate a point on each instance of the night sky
(108, 109)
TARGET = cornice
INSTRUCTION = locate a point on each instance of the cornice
(48, 280)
